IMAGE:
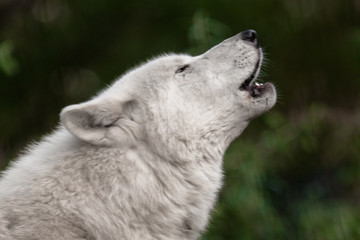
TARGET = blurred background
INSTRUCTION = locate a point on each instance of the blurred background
(295, 171)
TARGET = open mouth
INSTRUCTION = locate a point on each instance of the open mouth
(250, 85)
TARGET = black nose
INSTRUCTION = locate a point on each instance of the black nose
(250, 36)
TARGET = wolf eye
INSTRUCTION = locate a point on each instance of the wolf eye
(182, 68)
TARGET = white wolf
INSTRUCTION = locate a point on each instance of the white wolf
(143, 159)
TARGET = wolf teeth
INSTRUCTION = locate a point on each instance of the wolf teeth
(258, 84)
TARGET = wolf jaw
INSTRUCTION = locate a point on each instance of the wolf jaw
(250, 85)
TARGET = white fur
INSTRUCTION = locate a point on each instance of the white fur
(143, 159)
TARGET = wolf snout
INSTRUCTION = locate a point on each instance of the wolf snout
(250, 36)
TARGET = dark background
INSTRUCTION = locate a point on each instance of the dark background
(295, 171)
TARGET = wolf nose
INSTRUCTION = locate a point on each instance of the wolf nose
(250, 36)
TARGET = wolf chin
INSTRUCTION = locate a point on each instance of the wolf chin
(143, 158)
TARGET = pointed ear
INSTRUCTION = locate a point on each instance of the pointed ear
(101, 122)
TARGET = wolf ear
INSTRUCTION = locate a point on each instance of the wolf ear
(100, 122)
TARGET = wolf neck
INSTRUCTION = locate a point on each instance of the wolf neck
(209, 146)
(181, 150)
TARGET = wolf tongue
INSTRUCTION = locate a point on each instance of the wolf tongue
(255, 90)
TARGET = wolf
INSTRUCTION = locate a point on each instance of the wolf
(142, 160)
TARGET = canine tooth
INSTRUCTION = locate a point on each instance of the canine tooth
(257, 84)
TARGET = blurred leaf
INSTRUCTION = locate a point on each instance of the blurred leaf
(8, 63)
(206, 31)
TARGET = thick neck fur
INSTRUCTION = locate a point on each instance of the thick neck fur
(116, 182)
(157, 189)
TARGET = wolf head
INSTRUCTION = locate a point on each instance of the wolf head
(178, 102)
